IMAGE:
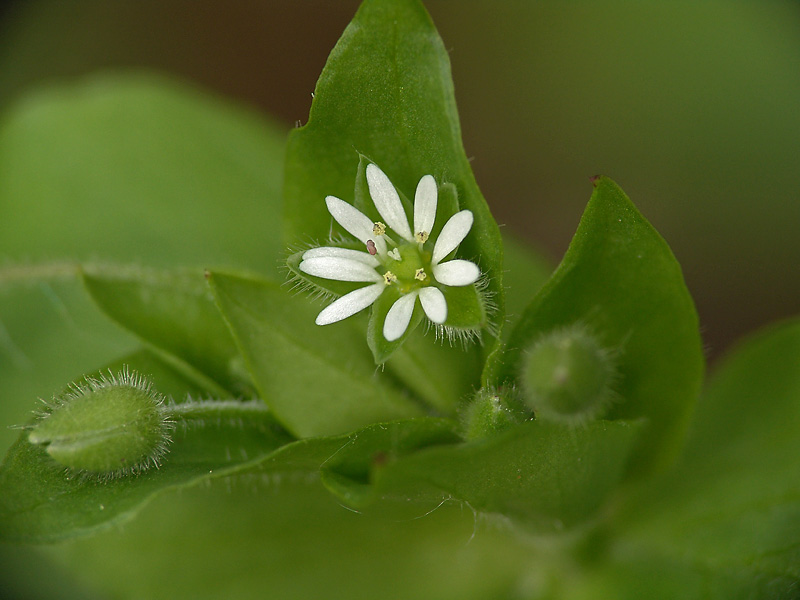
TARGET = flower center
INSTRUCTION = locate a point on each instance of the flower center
(409, 266)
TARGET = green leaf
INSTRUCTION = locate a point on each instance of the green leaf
(545, 476)
(279, 536)
(317, 380)
(621, 282)
(138, 165)
(174, 312)
(732, 505)
(440, 373)
(41, 502)
(386, 93)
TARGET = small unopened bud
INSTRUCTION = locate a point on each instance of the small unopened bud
(567, 376)
(492, 411)
(110, 426)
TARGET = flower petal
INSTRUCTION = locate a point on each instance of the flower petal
(387, 201)
(354, 222)
(452, 234)
(434, 304)
(456, 272)
(334, 252)
(350, 304)
(425, 204)
(399, 316)
(340, 269)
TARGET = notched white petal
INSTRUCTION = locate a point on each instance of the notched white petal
(399, 316)
(456, 273)
(334, 252)
(452, 234)
(387, 201)
(349, 304)
(434, 304)
(339, 269)
(425, 204)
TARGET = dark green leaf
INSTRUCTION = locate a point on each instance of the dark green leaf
(173, 311)
(620, 280)
(41, 502)
(386, 93)
(318, 380)
(545, 476)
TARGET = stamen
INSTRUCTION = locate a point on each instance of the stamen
(389, 278)
(379, 228)
(420, 275)
(422, 236)
(371, 248)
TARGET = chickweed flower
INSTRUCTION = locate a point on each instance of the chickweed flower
(396, 259)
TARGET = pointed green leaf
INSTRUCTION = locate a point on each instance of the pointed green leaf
(620, 280)
(318, 380)
(386, 93)
(173, 311)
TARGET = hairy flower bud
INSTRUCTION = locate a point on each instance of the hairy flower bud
(492, 411)
(567, 376)
(110, 426)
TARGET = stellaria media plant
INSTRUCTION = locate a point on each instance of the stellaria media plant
(373, 421)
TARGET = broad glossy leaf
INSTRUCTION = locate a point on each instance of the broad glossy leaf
(544, 476)
(41, 502)
(386, 93)
(173, 311)
(620, 280)
(319, 380)
(733, 502)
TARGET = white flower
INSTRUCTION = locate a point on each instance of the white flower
(404, 263)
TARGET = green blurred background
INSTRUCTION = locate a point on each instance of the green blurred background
(694, 108)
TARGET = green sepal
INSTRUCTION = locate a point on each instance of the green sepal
(466, 308)
(382, 348)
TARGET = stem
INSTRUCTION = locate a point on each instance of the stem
(201, 410)
(20, 273)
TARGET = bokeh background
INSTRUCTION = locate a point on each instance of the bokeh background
(694, 108)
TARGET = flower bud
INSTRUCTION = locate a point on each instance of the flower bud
(110, 426)
(567, 376)
(492, 411)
